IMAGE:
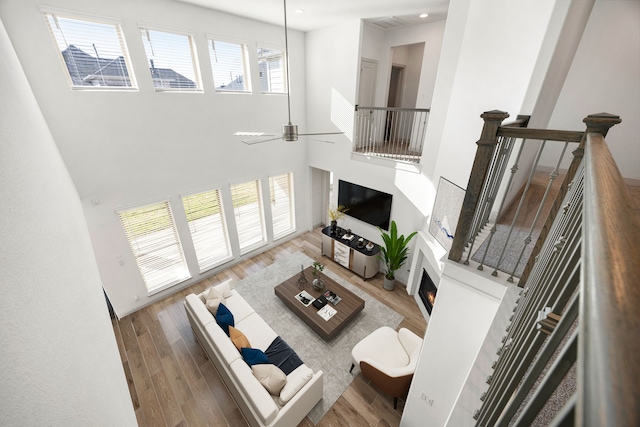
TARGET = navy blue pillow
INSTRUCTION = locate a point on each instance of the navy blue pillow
(224, 318)
(254, 356)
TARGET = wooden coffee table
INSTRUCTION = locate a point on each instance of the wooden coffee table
(347, 309)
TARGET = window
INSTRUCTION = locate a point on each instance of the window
(172, 60)
(208, 228)
(229, 64)
(282, 208)
(94, 53)
(154, 241)
(272, 73)
(249, 215)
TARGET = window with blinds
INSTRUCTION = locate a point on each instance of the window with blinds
(94, 53)
(156, 247)
(172, 60)
(272, 70)
(249, 215)
(229, 62)
(208, 228)
(282, 208)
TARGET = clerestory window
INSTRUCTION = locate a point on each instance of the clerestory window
(93, 52)
(230, 66)
(172, 60)
(272, 70)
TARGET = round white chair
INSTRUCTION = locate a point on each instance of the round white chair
(388, 359)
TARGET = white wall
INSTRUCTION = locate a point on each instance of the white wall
(465, 307)
(58, 354)
(126, 149)
(605, 77)
(489, 54)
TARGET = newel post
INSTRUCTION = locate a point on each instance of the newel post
(484, 153)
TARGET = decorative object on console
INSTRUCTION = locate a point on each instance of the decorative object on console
(336, 213)
(394, 253)
(318, 283)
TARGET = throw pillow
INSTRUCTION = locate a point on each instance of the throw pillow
(224, 288)
(213, 304)
(254, 356)
(224, 318)
(238, 338)
(271, 377)
(295, 381)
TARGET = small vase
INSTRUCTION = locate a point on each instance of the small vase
(318, 284)
(334, 224)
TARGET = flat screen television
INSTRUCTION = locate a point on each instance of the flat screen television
(365, 204)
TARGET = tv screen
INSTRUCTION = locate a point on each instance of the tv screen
(365, 204)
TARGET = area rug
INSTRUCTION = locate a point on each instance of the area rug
(511, 254)
(332, 358)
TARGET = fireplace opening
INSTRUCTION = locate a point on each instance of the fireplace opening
(427, 291)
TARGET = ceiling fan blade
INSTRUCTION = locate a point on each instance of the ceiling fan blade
(319, 140)
(321, 133)
(260, 140)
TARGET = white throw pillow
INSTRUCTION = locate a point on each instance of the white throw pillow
(295, 381)
(213, 304)
(225, 288)
(270, 376)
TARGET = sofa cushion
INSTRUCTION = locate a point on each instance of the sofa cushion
(254, 356)
(238, 338)
(295, 381)
(258, 332)
(224, 318)
(238, 306)
(213, 304)
(271, 377)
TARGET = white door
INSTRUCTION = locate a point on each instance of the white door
(367, 84)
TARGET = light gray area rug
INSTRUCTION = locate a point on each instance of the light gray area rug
(332, 358)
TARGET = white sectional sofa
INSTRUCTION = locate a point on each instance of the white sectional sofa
(303, 387)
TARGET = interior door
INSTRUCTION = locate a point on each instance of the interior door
(367, 84)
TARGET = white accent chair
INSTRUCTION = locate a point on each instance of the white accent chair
(388, 359)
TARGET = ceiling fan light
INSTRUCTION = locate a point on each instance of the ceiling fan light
(290, 132)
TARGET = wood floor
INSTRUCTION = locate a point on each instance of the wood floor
(173, 383)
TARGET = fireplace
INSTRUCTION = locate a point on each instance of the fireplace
(427, 291)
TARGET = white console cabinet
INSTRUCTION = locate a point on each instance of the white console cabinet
(349, 254)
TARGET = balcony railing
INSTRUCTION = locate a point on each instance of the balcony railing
(571, 342)
(393, 133)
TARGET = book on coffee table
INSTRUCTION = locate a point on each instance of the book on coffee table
(327, 312)
(305, 298)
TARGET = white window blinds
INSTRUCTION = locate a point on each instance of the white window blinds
(94, 53)
(272, 72)
(282, 207)
(249, 215)
(208, 228)
(154, 241)
(172, 60)
(229, 62)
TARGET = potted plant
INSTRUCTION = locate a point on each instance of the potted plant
(394, 253)
(318, 283)
(336, 213)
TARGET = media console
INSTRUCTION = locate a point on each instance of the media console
(348, 253)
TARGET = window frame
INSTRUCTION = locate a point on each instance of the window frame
(211, 39)
(91, 19)
(193, 51)
(283, 61)
(207, 263)
(178, 274)
(291, 213)
(263, 229)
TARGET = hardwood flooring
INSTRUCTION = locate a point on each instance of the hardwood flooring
(173, 383)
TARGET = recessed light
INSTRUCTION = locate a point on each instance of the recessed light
(424, 15)
(299, 11)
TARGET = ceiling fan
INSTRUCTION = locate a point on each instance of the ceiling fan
(289, 130)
